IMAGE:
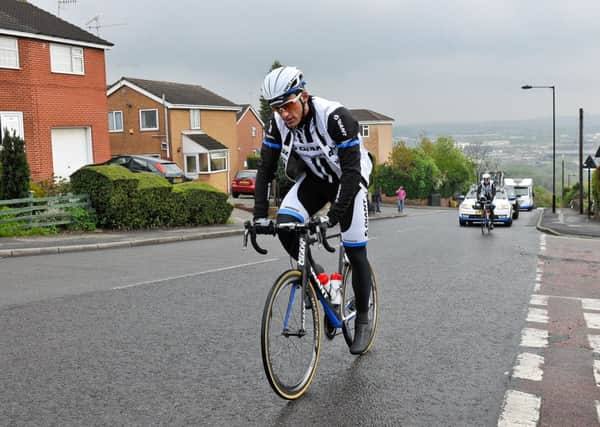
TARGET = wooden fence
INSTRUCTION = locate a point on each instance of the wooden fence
(42, 211)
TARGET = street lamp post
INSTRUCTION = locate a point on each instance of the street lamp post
(553, 140)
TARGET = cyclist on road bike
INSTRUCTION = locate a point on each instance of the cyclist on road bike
(487, 191)
(322, 150)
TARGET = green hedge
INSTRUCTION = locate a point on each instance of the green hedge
(127, 200)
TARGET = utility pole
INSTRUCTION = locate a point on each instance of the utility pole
(581, 161)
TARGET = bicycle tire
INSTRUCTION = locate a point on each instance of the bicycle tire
(290, 379)
(349, 307)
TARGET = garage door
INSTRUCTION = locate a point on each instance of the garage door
(71, 149)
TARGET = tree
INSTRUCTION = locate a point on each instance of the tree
(265, 109)
(14, 183)
(455, 168)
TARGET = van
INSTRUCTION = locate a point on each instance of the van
(523, 188)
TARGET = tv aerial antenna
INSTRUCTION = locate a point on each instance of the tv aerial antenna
(63, 3)
(95, 25)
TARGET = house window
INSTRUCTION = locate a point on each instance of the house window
(213, 161)
(149, 119)
(218, 161)
(253, 131)
(9, 52)
(115, 121)
(195, 119)
(66, 59)
(191, 164)
(364, 130)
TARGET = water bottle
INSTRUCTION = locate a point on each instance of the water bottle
(335, 283)
(324, 282)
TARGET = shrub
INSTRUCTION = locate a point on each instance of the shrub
(127, 200)
(252, 160)
(83, 220)
(14, 182)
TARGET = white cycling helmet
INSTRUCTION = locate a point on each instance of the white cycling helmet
(486, 176)
(281, 83)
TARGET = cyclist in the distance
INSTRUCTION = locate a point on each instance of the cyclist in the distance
(321, 148)
(487, 189)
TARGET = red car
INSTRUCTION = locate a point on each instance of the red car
(244, 183)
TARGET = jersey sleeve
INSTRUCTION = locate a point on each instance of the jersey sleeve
(267, 165)
(343, 129)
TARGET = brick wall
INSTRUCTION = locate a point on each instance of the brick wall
(246, 142)
(50, 100)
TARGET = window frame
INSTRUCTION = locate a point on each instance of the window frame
(142, 129)
(364, 131)
(113, 113)
(16, 50)
(53, 63)
(222, 154)
(194, 111)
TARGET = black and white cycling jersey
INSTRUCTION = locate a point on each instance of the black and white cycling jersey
(326, 144)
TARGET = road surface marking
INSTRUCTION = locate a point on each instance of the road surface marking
(590, 304)
(529, 367)
(538, 278)
(538, 300)
(185, 276)
(594, 341)
(534, 338)
(537, 315)
(537, 287)
(592, 320)
(520, 409)
(598, 409)
(597, 372)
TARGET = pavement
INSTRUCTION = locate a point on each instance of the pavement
(563, 222)
(106, 239)
(567, 221)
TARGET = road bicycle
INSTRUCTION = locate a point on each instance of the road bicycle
(291, 321)
(486, 223)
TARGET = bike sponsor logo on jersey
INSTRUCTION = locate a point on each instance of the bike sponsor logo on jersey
(338, 120)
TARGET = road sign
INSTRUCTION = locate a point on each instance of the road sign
(589, 163)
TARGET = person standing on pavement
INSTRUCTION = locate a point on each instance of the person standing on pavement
(321, 147)
(377, 199)
(401, 196)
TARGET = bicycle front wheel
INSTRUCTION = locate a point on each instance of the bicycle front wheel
(349, 307)
(290, 336)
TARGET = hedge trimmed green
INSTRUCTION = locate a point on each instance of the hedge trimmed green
(126, 200)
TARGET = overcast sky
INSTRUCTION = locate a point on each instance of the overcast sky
(417, 61)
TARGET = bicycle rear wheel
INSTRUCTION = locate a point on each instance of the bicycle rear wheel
(349, 307)
(290, 349)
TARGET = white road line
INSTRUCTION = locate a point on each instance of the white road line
(537, 315)
(534, 338)
(538, 278)
(538, 300)
(520, 409)
(590, 304)
(594, 341)
(537, 287)
(538, 270)
(597, 372)
(598, 409)
(185, 276)
(592, 320)
(529, 367)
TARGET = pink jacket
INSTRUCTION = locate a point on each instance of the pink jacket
(401, 194)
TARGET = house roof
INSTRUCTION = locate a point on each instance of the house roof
(206, 141)
(244, 110)
(363, 115)
(23, 17)
(179, 93)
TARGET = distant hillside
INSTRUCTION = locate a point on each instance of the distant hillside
(502, 128)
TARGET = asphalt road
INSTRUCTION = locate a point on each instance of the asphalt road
(169, 334)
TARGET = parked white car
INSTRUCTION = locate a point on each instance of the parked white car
(469, 211)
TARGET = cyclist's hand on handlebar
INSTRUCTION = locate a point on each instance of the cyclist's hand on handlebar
(264, 226)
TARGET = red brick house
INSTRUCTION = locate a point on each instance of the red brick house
(52, 89)
(249, 134)
(376, 131)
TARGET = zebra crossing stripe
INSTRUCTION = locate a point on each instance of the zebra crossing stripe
(529, 367)
(520, 409)
(534, 338)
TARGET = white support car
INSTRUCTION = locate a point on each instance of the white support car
(469, 211)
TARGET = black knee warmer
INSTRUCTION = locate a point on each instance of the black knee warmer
(361, 277)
